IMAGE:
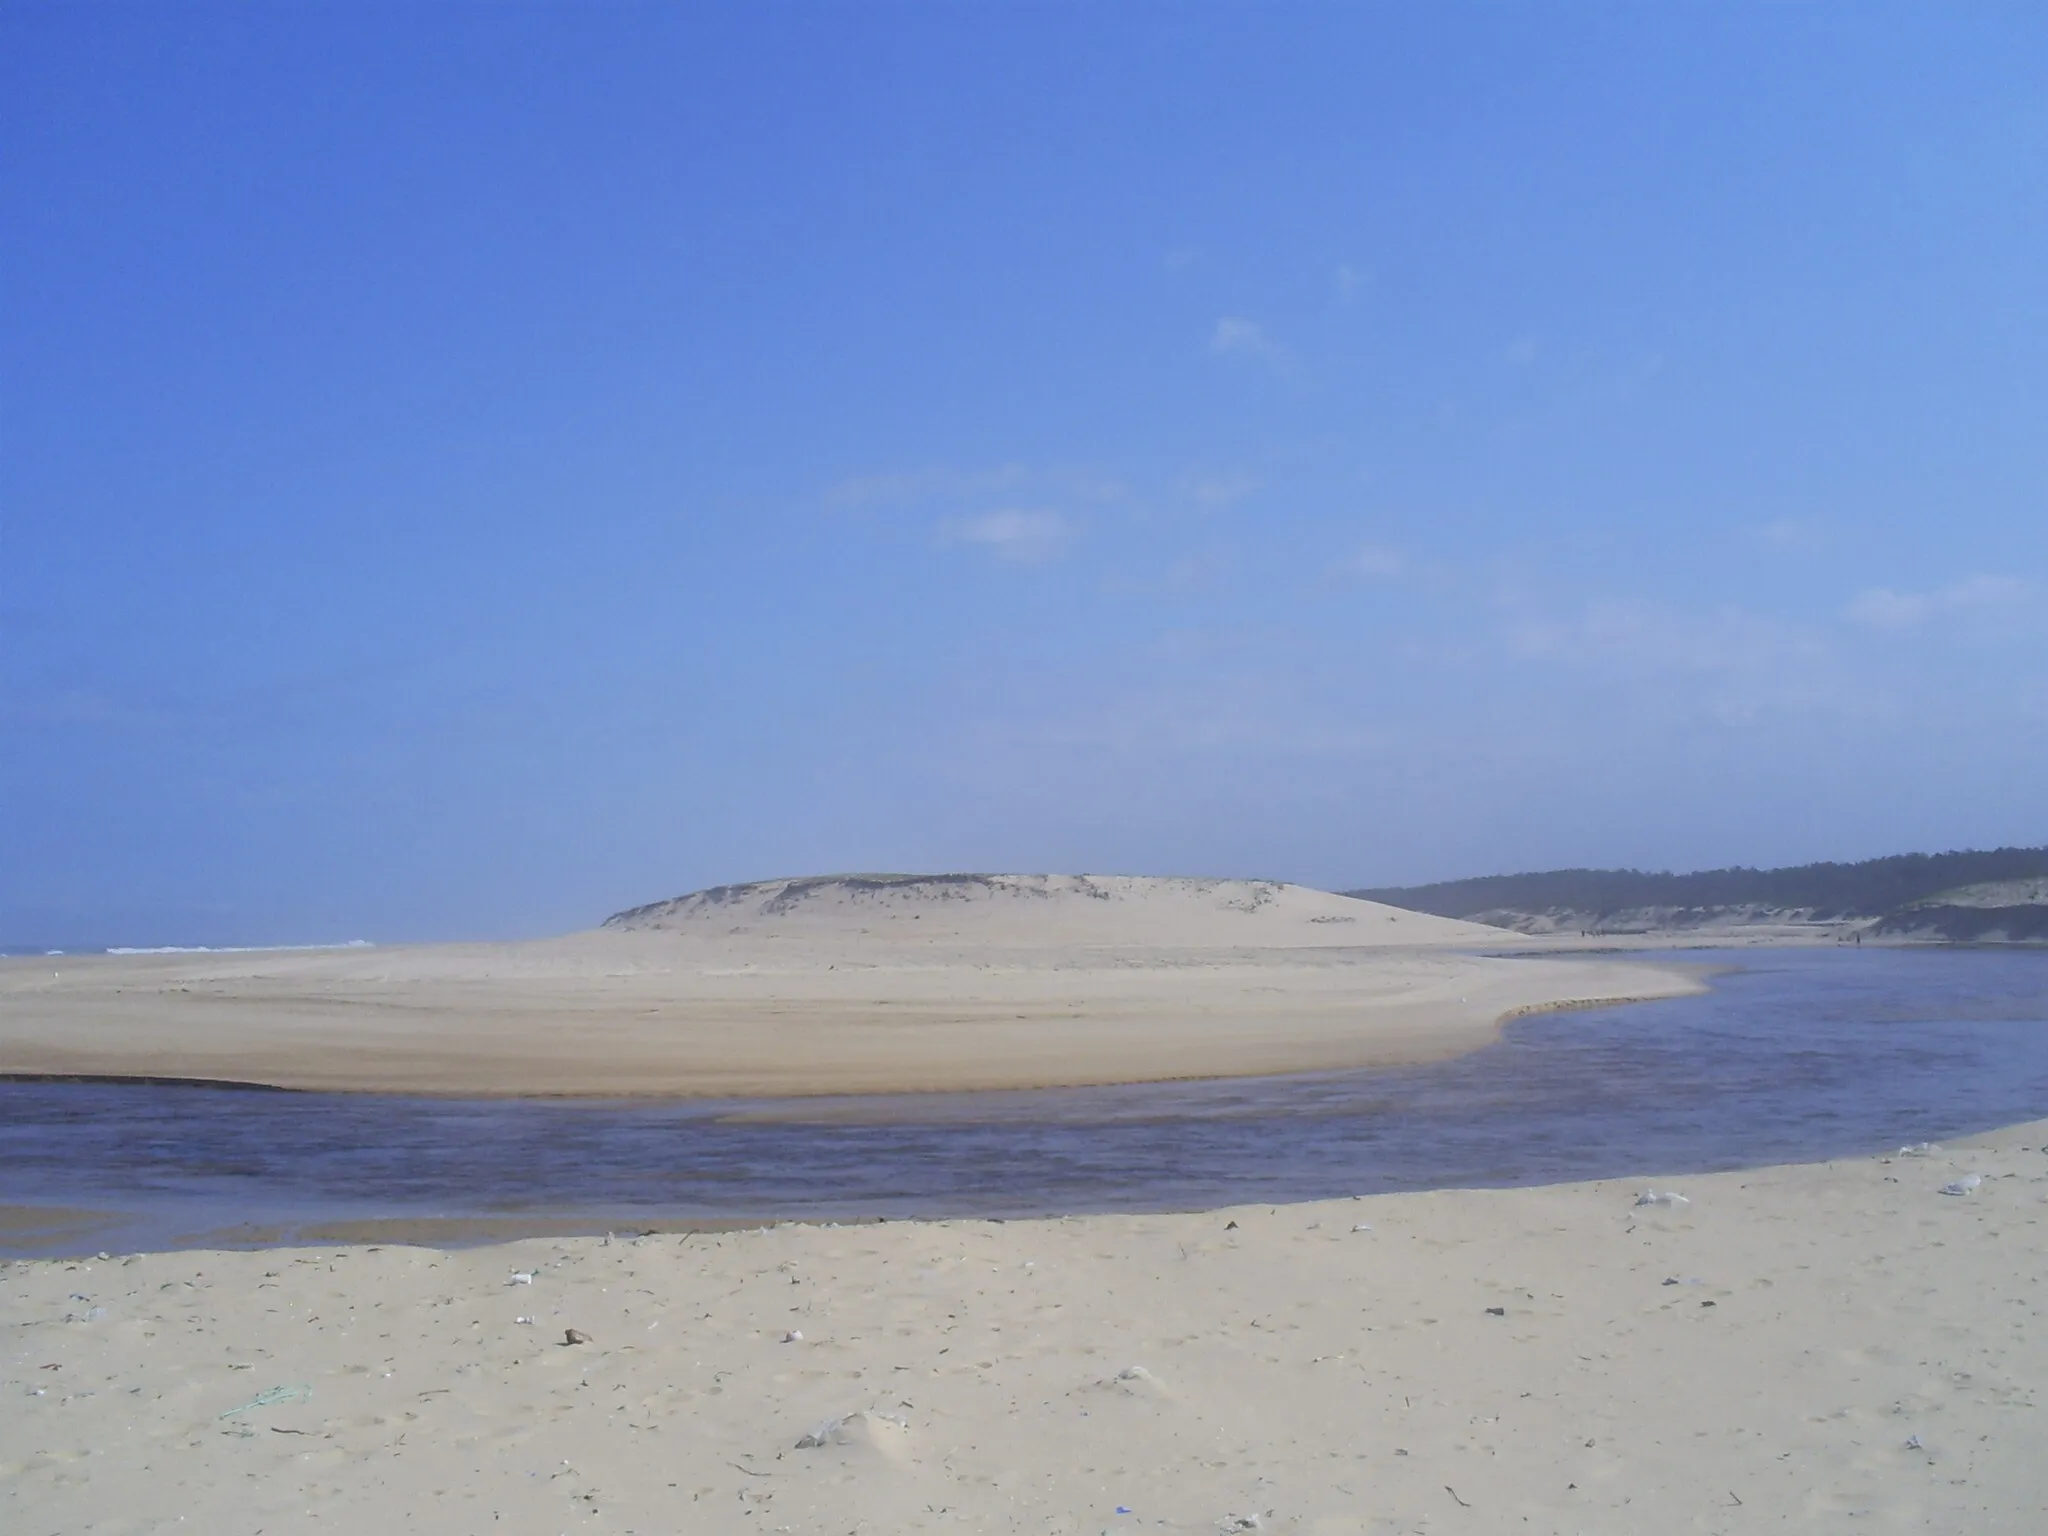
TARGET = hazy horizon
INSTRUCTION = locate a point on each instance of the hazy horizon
(465, 471)
(194, 944)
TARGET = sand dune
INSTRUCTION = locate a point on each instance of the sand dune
(846, 984)
(1792, 1348)
(1046, 911)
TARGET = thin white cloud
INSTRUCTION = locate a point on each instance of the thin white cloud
(944, 484)
(1725, 665)
(1883, 608)
(1521, 352)
(1985, 592)
(933, 483)
(1378, 562)
(1012, 534)
(1791, 533)
(1238, 337)
(1637, 636)
(1351, 282)
(1267, 714)
(1195, 571)
(1221, 490)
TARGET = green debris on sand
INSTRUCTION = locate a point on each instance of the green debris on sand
(269, 1397)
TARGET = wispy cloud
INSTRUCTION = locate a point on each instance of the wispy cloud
(1351, 282)
(1883, 608)
(1642, 637)
(1221, 490)
(1238, 337)
(1521, 352)
(910, 487)
(1725, 665)
(939, 485)
(1378, 562)
(1263, 713)
(1012, 534)
(1790, 533)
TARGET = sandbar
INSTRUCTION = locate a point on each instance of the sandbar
(890, 986)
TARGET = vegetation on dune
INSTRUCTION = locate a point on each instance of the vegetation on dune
(1870, 889)
(1965, 925)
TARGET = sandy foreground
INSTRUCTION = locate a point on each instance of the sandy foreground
(841, 985)
(1793, 1348)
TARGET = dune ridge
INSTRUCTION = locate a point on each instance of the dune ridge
(1033, 910)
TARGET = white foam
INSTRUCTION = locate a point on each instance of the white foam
(230, 949)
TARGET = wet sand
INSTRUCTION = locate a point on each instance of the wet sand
(451, 1231)
(54, 1229)
(1792, 1346)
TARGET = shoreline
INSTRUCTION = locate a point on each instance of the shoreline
(638, 1017)
(34, 1230)
(1787, 1345)
(1699, 974)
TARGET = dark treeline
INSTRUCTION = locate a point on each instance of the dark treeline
(1869, 889)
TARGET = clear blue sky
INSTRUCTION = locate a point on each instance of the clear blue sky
(469, 468)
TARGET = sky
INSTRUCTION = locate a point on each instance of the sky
(466, 469)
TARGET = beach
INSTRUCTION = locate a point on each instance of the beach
(1785, 1346)
(1790, 1346)
(952, 983)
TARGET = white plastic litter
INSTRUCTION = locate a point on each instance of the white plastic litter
(851, 1429)
(1919, 1149)
(1963, 1186)
(1661, 1197)
(523, 1277)
(792, 1337)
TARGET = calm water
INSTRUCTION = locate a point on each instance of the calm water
(1795, 1055)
